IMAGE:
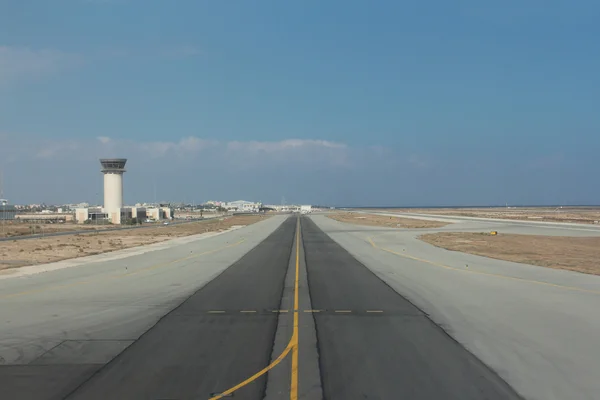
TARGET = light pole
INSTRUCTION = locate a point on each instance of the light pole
(2, 201)
(96, 218)
(3, 218)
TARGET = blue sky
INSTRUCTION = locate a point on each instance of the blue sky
(344, 103)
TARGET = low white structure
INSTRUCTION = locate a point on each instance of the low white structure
(123, 214)
(305, 209)
(158, 213)
(242, 205)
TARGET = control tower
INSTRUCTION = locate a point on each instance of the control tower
(113, 169)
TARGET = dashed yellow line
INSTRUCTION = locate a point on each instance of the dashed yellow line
(481, 272)
(295, 311)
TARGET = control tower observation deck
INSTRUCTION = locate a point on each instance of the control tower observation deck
(113, 170)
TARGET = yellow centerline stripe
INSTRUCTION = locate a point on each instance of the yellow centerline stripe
(256, 375)
(291, 346)
(294, 377)
(481, 272)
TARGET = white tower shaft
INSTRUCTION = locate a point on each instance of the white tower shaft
(113, 191)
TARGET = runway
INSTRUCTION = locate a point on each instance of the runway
(537, 327)
(514, 226)
(296, 308)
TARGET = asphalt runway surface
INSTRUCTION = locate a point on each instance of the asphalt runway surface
(374, 344)
(332, 310)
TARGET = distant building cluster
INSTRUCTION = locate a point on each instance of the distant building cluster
(115, 212)
(242, 205)
(303, 209)
(248, 206)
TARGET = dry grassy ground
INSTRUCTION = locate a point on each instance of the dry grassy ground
(380, 220)
(43, 250)
(584, 215)
(581, 254)
(14, 228)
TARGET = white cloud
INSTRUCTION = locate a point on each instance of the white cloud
(245, 151)
(192, 143)
(17, 63)
(186, 146)
(103, 139)
(237, 154)
(279, 146)
(310, 152)
(59, 170)
(57, 149)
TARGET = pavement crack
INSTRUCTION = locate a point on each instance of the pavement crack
(33, 362)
